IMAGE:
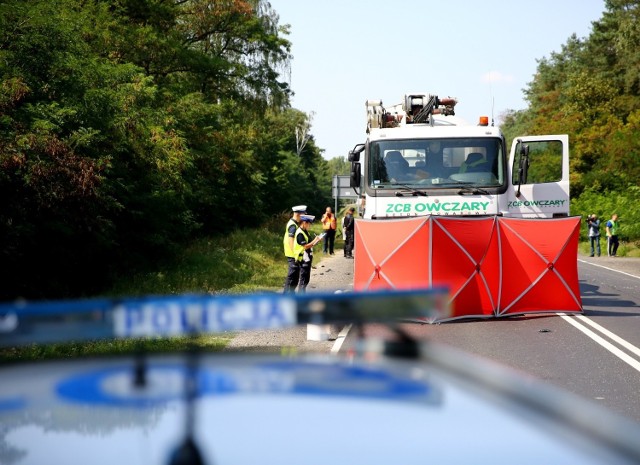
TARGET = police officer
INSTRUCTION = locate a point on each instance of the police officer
(303, 250)
(293, 274)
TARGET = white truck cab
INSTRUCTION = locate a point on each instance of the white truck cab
(420, 159)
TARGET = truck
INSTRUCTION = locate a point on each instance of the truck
(422, 163)
(421, 159)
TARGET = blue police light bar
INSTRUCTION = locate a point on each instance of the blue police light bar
(23, 323)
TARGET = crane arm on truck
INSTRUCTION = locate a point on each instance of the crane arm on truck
(415, 109)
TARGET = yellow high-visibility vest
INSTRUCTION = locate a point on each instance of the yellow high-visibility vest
(298, 249)
(288, 251)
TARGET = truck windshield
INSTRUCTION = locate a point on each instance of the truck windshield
(436, 163)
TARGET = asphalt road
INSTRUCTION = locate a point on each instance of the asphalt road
(595, 355)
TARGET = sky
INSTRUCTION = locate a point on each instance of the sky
(482, 52)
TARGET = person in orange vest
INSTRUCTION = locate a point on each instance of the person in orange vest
(329, 226)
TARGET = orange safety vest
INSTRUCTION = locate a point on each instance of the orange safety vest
(329, 221)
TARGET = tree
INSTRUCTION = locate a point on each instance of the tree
(591, 91)
(127, 127)
(339, 166)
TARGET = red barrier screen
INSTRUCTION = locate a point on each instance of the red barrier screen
(493, 266)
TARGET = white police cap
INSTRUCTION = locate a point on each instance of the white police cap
(307, 218)
(299, 209)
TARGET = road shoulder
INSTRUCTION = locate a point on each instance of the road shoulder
(629, 265)
(332, 273)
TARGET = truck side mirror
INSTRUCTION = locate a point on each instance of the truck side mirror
(354, 155)
(524, 163)
(523, 167)
(355, 177)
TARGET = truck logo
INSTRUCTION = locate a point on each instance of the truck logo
(536, 203)
(438, 207)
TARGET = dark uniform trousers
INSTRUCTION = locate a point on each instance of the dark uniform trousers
(305, 275)
(293, 275)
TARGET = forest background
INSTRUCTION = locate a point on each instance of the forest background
(132, 129)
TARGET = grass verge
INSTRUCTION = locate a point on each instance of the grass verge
(626, 249)
(246, 261)
(205, 343)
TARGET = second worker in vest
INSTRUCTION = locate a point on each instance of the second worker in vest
(329, 226)
(303, 250)
(612, 227)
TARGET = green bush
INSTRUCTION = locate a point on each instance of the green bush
(624, 203)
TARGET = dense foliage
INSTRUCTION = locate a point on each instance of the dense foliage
(129, 127)
(591, 91)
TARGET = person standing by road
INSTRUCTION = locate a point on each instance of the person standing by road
(348, 229)
(612, 228)
(293, 273)
(329, 225)
(593, 223)
(303, 250)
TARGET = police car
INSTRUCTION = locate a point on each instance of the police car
(398, 401)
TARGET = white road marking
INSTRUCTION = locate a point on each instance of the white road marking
(607, 345)
(614, 337)
(610, 269)
(627, 345)
(340, 339)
